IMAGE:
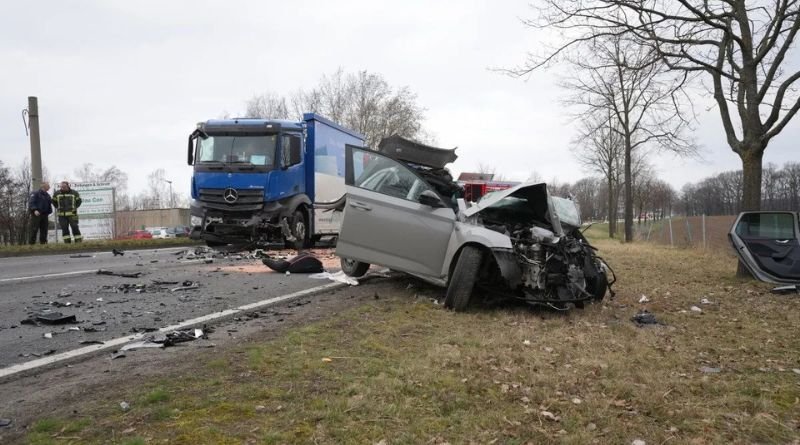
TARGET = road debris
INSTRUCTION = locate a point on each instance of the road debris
(117, 252)
(119, 274)
(186, 285)
(125, 406)
(644, 299)
(706, 301)
(5, 423)
(48, 335)
(638, 442)
(49, 318)
(710, 370)
(80, 255)
(304, 262)
(550, 416)
(696, 309)
(166, 340)
(644, 318)
(339, 277)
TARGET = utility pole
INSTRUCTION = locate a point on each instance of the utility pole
(171, 203)
(36, 148)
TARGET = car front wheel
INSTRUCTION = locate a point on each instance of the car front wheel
(353, 268)
(463, 279)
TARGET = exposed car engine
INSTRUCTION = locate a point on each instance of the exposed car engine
(558, 269)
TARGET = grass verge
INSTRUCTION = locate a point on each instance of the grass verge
(93, 246)
(405, 371)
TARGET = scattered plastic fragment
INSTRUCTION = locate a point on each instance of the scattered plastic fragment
(124, 406)
(644, 299)
(4, 423)
(117, 252)
(550, 416)
(705, 301)
(48, 335)
(784, 290)
(696, 309)
(644, 318)
(53, 318)
(339, 277)
(710, 370)
(119, 274)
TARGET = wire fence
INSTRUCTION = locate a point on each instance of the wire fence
(702, 232)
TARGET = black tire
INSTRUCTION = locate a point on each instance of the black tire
(598, 285)
(353, 268)
(299, 229)
(463, 279)
(213, 244)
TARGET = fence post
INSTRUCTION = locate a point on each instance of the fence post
(671, 242)
(649, 229)
(704, 231)
(689, 232)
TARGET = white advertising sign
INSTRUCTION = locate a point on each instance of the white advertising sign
(96, 213)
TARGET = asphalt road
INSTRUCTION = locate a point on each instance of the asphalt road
(108, 307)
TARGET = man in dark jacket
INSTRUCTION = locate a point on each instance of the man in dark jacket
(40, 206)
(66, 202)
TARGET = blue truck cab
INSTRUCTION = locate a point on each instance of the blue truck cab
(259, 181)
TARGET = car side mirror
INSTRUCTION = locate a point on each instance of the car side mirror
(431, 199)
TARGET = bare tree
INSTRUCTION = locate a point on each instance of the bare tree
(118, 179)
(267, 106)
(740, 47)
(362, 101)
(622, 87)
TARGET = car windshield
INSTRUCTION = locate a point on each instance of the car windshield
(567, 211)
(245, 149)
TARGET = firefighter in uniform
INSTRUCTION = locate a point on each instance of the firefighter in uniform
(66, 201)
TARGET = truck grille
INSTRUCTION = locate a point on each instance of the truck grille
(247, 199)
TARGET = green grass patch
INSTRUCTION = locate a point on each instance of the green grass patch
(92, 246)
(407, 371)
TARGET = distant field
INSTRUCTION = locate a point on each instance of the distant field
(402, 370)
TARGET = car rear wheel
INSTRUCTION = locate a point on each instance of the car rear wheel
(462, 282)
(353, 268)
(597, 285)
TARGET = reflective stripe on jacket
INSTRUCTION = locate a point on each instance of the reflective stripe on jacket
(66, 203)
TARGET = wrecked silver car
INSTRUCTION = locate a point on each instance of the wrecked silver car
(404, 212)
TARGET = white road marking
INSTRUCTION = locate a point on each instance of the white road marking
(45, 361)
(50, 275)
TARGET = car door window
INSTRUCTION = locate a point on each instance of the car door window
(777, 226)
(386, 176)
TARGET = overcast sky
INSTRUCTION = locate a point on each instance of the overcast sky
(124, 83)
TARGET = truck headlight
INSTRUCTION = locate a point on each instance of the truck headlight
(195, 221)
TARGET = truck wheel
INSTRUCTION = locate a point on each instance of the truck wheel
(213, 244)
(463, 279)
(353, 268)
(299, 230)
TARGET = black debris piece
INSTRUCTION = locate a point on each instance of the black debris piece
(94, 329)
(644, 318)
(117, 252)
(162, 283)
(785, 290)
(92, 342)
(302, 263)
(64, 294)
(80, 255)
(186, 285)
(119, 274)
(5, 423)
(29, 321)
(52, 318)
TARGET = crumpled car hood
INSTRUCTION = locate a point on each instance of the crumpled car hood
(533, 200)
(534, 194)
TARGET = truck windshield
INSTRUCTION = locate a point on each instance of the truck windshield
(254, 150)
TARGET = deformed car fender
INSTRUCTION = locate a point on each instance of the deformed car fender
(491, 241)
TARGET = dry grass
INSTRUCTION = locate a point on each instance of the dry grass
(92, 246)
(406, 371)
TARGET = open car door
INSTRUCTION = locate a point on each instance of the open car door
(393, 217)
(767, 244)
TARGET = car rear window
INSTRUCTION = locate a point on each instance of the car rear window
(777, 226)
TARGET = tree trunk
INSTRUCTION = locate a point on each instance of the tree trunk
(751, 178)
(612, 211)
(628, 192)
(751, 193)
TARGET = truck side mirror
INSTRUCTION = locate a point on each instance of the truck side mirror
(431, 199)
(190, 158)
